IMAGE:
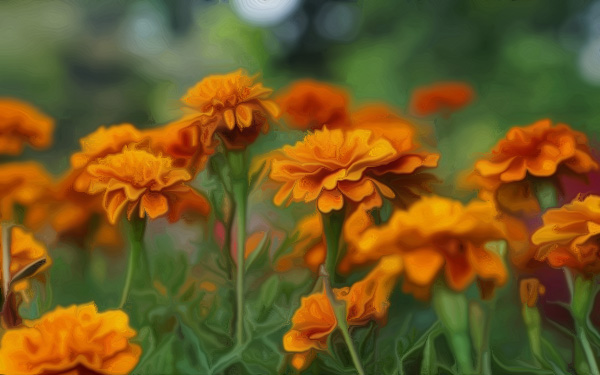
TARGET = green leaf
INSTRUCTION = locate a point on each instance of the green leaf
(260, 255)
(429, 362)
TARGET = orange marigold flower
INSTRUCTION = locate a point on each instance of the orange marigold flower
(570, 236)
(25, 252)
(22, 183)
(438, 234)
(233, 106)
(75, 340)
(444, 97)
(21, 123)
(309, 104)
(102, 142)
(529, 290)
(185, 140)
(138, 179)
(332, 166)
(368, 299)
(540, 150)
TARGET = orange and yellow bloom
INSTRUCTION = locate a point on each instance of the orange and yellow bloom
(77, 340)
(20, 123)
(22, 184)
(233, 106)
(438, 235)
(443, 97)
(541, 150)
(138, 180)
(570, 236)
(309, 104)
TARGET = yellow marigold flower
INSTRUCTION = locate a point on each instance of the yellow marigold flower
(102, 142)
(331, 166)
(529, 291)
(540, 150)
(25, 251)
(233, 106)
(365, 300)
(185, 140)
(21, 123)
(138, 179)
(368, 299)
(22, 183)
(75, 340)
(569, 236)
(309, 104)
(438, 234)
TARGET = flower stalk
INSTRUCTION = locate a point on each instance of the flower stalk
(332, 228)
(339, 309)
(453, 311)
(582, 301)
(137, 256)
(239, 185)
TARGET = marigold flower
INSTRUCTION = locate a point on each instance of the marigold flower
(570, 236)
(438, 234)
(309, 104)
(233, 106)
(75, 340)
(22, 183)
(332, 166)
(365, 300)
(185, 140)
(529, 290)
(540, 150)
(445, 97)
(21, 123)
(102, 142)
(138, 179)
(25, 251)
(368, 299)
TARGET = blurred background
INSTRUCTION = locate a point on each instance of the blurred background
(91, 63)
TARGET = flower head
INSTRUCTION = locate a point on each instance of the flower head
(438, 235)
(138, 179)
(75, 340)
(540, 150)
(233, 106)
(22, 183)
(21, 123)
(332, 166)
(570, 236)
(444, 97)
(101, 143)
(309, 104)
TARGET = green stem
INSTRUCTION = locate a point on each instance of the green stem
(239, 184)
(332, 228)
(452, 310)
(546, 194)
(584, 294)
(532, 319)
(339, 309)
(137, 227)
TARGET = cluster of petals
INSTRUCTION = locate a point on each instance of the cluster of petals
(438, 235)
(231, 105)
(441, 97)
(21, 124)
(332, 166)
(77, 340)
(540, 150)
(22, 183)
(570, 236)
(310, 104)
(137, 179)
(365, 300)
